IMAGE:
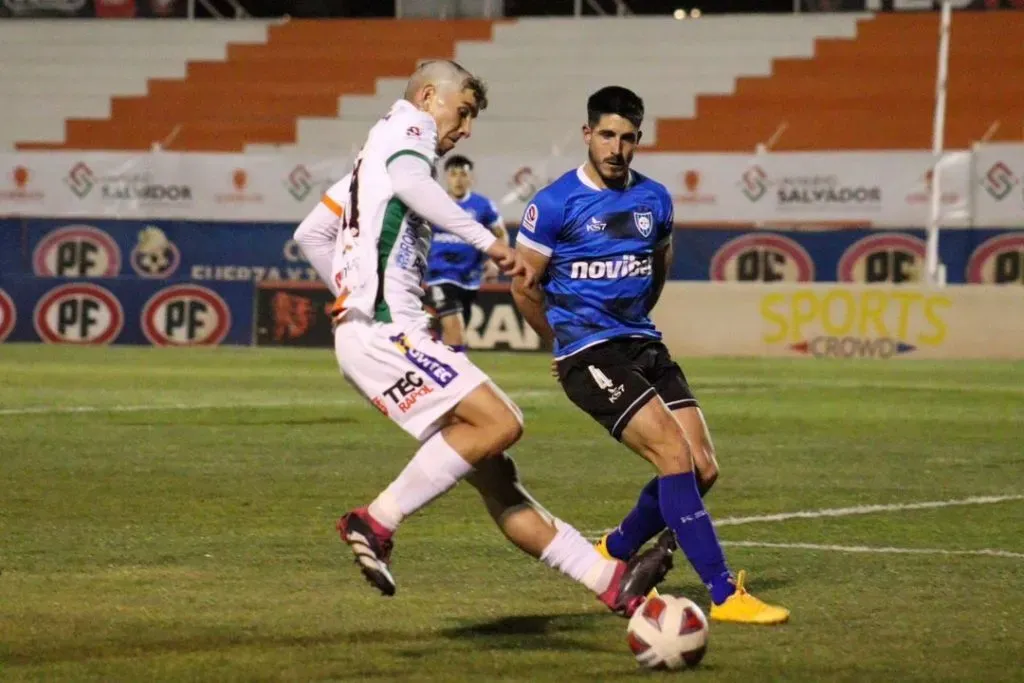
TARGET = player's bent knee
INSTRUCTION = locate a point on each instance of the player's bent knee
(506, 429)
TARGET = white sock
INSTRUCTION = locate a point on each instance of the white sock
(572, 555)
(434, 469)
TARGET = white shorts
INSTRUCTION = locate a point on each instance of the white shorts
(407, 375)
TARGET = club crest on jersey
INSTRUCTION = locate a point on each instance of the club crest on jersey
(442, 373)
(644, 221)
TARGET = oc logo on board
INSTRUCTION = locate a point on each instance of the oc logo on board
(883, 258)
(762, 258)
(8, 315)
(998, 261)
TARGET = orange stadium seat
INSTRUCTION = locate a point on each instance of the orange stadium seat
(257, 94)
(876, 91)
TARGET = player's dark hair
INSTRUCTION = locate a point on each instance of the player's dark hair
(458, 161)
(614, 99)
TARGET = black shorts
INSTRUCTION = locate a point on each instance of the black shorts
(613, 380)
(447, 299)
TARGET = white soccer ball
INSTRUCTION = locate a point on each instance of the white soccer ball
(668, 632)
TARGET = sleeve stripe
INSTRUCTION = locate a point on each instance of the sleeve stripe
(334, 206)
(530, 244)
(412, 152)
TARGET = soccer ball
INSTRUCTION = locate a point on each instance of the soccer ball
(668, 632)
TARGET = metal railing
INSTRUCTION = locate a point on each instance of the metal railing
(234, 7)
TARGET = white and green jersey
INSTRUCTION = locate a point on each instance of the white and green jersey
(382, 247)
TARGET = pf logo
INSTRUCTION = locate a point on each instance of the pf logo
(998, 261)
(8, 315)
(762, 258)
(78, 314)
(883, 258)
(185, 315)
(77, 251)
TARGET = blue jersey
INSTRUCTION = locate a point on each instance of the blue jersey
(454, 261)
(601, 244)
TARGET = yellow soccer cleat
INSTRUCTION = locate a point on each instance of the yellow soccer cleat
(743, 608)
(602, 547)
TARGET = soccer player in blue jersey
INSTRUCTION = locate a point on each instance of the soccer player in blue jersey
(455, 268)
(601, 237)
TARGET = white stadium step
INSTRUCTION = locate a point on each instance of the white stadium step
(540, 72)
(59, 69)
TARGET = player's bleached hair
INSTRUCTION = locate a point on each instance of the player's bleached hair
(614, 99)
(440, 72)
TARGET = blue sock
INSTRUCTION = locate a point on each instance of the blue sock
(684, 513)
(639, 526)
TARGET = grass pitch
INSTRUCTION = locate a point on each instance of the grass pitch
(167, 515)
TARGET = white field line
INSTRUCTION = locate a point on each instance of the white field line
(154, 407)
(989, 552)
(867, 509)
(851, 511)
(226, 405)
(721, 385)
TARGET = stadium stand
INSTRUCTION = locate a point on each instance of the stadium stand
(838, 81)
(58, 70)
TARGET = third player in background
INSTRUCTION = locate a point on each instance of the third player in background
(455, 268)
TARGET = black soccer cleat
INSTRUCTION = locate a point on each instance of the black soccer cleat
(667, 541)
(639, 577)
(372, 553)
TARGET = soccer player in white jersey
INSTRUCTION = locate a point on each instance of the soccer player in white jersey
(369, 239)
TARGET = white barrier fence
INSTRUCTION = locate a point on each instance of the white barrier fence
(981, 187)
(842, 321)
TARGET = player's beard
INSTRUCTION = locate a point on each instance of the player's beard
(610, 180)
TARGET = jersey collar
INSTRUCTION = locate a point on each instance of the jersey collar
(583, 178)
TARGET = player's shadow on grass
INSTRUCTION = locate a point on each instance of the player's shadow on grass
(531, 632)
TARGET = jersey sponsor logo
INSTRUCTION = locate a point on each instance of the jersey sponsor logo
(413, 243)
(883, 258)
(154, 256)
(78, 314)
(185, 315)
(441, 237)
(530, 218)
(612, 269)
(8, 315)
(594, 225)
(379, 405)
(442, 373)
(998, 261)
(77, 251)
(644, 221)
(413, 132)
(605, 383)
(762, 258)
(407, 391)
